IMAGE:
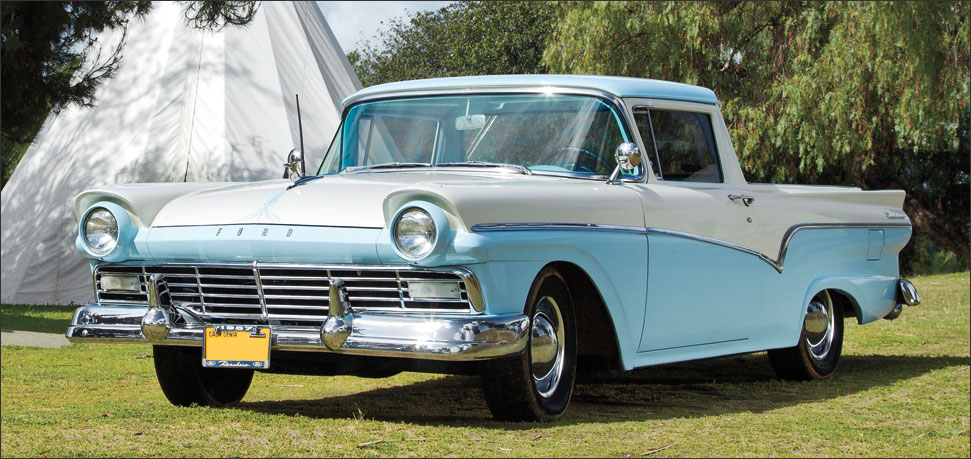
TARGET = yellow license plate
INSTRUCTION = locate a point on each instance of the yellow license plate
(236, 346)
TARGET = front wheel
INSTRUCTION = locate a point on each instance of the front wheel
(820, 343)
(185, 381)
(537, 384)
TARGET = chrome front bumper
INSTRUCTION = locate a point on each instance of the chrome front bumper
(431, 336)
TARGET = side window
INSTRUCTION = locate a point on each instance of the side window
(681, 145)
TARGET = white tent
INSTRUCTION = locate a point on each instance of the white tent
(184, 105)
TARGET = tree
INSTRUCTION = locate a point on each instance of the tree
(51, 58)
(467, 38)
(867, 94)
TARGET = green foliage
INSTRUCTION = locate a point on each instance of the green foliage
(463, 38)
(216, 15)
(43, 63)
(865, 94)
(923, 257)
(51, 58)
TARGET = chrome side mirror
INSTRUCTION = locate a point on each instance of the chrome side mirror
(628, 158)
(294, 167)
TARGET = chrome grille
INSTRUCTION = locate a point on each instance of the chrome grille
(286, 294)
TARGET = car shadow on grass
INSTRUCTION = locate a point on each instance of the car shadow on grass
(703, 388)
(34, 324)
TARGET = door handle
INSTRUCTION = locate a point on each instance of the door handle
(746, 199)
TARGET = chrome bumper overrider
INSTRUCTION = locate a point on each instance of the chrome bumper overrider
(412, 335)
(906, 294)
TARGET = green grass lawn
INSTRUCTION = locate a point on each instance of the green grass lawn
(902, 390)
(46, 319)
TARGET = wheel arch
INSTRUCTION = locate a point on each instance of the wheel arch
(593, 320)
(842, 294)
(845, 300)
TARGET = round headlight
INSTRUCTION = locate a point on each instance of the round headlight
(100, 231)
(414, 233)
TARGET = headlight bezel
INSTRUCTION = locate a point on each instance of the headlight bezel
(443, 233)
(429, 247)
(122, 247)
(86, 231)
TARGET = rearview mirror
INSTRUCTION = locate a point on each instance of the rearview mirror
(294, 167)
(470, 122)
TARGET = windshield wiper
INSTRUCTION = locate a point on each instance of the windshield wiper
(523, 169)
(393, 165)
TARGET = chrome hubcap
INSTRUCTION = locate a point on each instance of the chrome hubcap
(819, 326)
(546, 346)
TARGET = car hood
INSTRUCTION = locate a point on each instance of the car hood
(369, 200)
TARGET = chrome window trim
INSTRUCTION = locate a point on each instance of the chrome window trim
(472, 286)
(617, 102)
(778, 264)
(496, 170)
(650, 122)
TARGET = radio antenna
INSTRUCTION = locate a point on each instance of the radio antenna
(303, 153)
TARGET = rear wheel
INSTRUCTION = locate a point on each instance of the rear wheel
(185, 381)
(537, 384)
(820, 343)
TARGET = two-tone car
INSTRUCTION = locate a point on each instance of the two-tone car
(520, 227)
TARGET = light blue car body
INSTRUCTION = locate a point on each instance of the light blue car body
(745, 305)
(669, 298)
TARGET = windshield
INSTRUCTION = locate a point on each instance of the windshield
(545, 133)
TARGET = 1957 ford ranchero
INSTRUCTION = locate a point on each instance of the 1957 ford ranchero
(517, 227)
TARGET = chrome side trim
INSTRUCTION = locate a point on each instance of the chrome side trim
(795, 228)
(777, 264)
(487, 227)
(709, 240)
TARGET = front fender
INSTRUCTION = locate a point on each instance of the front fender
(616, 262)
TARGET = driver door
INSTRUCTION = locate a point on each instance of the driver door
(697, 221)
